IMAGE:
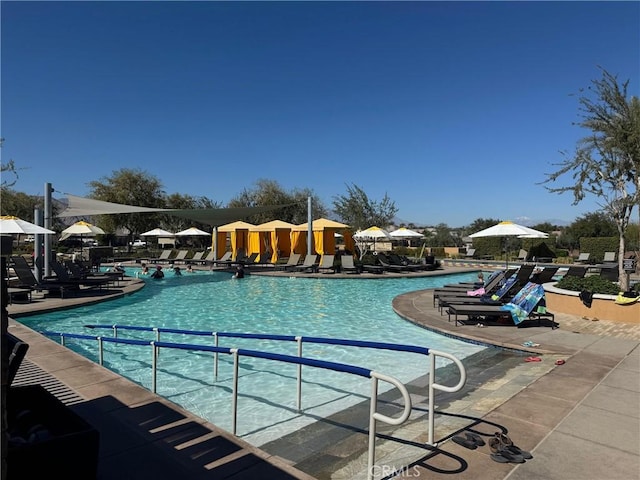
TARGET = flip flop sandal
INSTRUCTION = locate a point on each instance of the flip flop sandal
(479, 441)
(465, 442)
(533, 359)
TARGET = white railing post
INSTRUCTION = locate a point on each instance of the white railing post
(115, 331)
(299, 385)
(154, 367)
(100, 351)
(234, 402)
(374, 415)
(215, 357)
(436, 386)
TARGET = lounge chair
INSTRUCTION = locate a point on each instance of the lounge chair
(326, 264)
(609, 257)
(247, 261)
(225, 259)
(576, 271)
(77, 272)
(404, 261)
(499, 297)
(545, 275)
(522, 255)
(17, 351)
(197, 258)
(27, 279)
(583, 258)
(520, 308)
(389, 267)
(347, 265)
(63, 275)
(610, 273)
(471, 253)
(292, 261)
(180, 256)
(163, 258)
(309, 264)
(491, 285)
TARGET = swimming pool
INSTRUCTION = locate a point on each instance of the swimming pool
(340, 308)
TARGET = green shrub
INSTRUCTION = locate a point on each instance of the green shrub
(593, 283)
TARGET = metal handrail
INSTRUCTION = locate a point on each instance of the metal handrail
(374, 415)
(319, 340)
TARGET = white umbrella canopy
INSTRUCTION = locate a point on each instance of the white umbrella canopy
(371, 234)
(157, 232)
(509, 229)
(192, 231)
(405, 233)
(81, 228)
(13, 225)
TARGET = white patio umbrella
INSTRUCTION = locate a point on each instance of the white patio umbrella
(371, 234)
(81, 229)
(157, 232)
(509, 229)
(10, 225)
(192, 232)
(404, 233)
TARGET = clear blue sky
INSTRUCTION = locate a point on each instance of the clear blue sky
(454, 109)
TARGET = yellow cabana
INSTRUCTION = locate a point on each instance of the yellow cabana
(239, 236)
(324, 240)
(275, 235)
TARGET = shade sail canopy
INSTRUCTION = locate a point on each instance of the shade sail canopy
(193, 231)
(13, 225)
(508, 229)
(405, 233)
(321, 224)
(83, 207)
(157, 232)
(372, 233)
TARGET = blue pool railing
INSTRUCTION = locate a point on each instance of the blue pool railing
(374, 415)
(432, 354)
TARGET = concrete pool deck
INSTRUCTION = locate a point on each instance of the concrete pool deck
(579, 420)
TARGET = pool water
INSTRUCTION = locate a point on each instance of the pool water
(213, 301)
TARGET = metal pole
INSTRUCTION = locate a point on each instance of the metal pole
(309, 227)
(48, 220)
(38, 238)
(214, 242)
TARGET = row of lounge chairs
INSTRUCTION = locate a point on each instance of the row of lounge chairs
(516, 293)
(69, 278)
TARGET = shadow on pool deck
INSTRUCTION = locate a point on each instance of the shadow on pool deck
(589, 404)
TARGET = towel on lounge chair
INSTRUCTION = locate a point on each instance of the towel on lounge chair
(523, 303)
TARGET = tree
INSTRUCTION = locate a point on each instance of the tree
(269, 192)
(129, 187)
(606, 162)
(359, 212)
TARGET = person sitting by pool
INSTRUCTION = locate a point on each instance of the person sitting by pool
(189, 268)
(158, 273)
(177, 271)
(144, 269)
(239, 272)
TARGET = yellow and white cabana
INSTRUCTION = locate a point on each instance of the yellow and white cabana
(324, 240)
(274, 236)
(239, 232)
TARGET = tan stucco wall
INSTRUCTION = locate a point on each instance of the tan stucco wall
(601, 308)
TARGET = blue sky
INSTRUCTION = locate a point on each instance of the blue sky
(455, 110)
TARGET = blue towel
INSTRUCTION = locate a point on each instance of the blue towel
(523, 303)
